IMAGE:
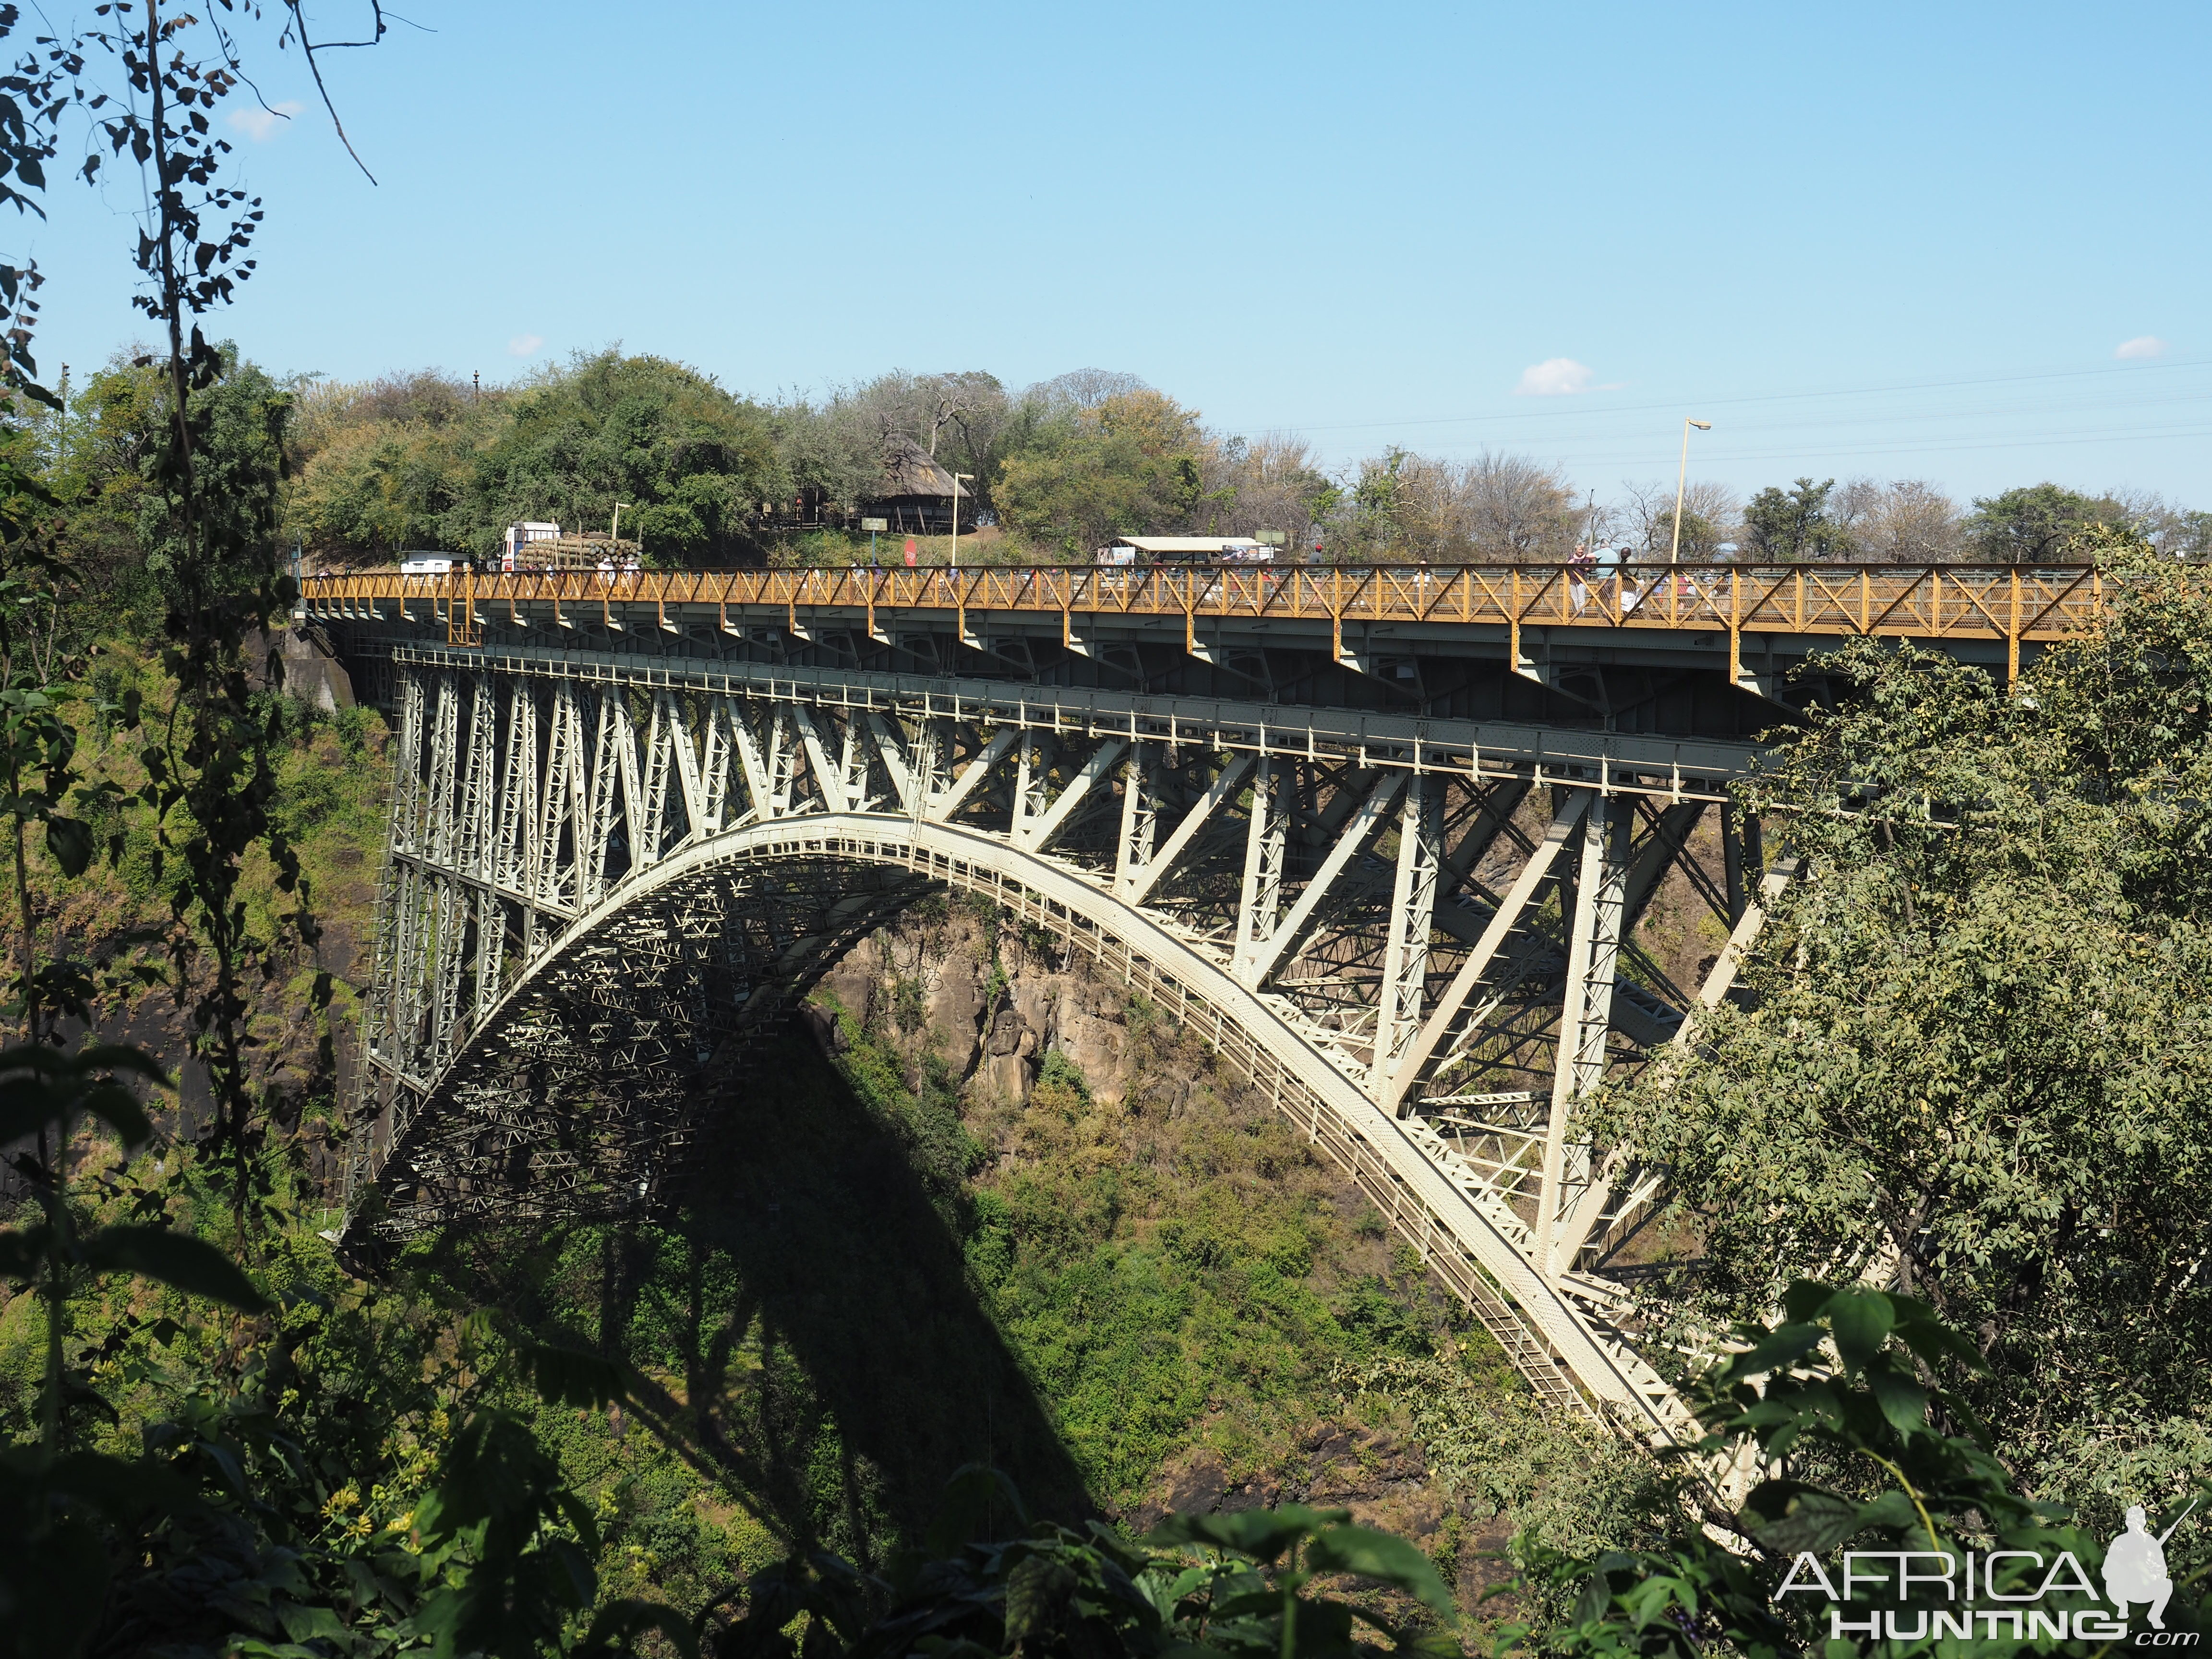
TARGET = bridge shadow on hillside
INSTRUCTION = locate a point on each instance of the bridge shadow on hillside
(836, 1368)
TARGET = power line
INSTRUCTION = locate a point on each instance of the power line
(1586, 413)
(1719, 456)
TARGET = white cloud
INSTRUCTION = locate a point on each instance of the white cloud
(2143, 345)
(525, 345)
(262, 124)
(1555, 377)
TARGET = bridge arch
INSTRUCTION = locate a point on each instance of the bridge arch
(1307, 809)
(486, 1138)
(610, 867)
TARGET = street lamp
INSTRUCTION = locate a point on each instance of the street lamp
(954, 558)
(1682, 477)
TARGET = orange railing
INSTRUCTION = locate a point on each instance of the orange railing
(1981, 602)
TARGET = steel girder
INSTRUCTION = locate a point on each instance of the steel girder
(602, 888)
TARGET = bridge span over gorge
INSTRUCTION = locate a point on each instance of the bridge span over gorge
(1389, 838)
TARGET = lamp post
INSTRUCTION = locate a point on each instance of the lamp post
(957, 477)
(1682, 477)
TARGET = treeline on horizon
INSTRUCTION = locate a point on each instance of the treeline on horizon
(431, 462)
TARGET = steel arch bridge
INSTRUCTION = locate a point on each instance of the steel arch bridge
(624, 845)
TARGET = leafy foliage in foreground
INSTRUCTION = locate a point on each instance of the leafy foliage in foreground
(1848, 1396)
(1241, 1586)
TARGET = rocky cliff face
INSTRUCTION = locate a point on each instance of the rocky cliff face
(990, 999)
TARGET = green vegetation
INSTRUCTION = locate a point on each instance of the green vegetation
(423, 462)
(1868, 1454)
(2030, 526)
(1971, 1059)
(1170, 1274)
(1130, 461)
(1782, 527)
(1977, 1047)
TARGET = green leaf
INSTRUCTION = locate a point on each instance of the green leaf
(1902, 1400)
(1263, 1535)
(1924, 1332)
(310, 1624)
(1036, 1589)
(1806, 1299)
(1377, 1555)
(190, 1265)
(1594, 1601)
(52, 1589)
(1861, 1321)
(70, 843)
(40, 1085)
(1892, 1508)
(23, 1251)
(1778, 1348)
(1788, 1517)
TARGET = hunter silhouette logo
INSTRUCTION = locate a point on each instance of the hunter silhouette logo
(2019, 1594)
(2135, 1566)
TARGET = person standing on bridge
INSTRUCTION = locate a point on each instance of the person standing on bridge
(1580, 567)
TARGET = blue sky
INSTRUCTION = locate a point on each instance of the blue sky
(1901, 241)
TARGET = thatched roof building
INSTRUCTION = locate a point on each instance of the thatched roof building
(918, 495)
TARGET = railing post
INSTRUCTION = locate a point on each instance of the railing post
(1336, 612)
(2012, 632)
(1735, 628)
(1513, 625)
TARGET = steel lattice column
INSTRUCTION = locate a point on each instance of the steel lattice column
(1413, 913)
(1259, 904)
(1585, 1018)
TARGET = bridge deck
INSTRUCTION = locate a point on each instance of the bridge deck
(2006, 604)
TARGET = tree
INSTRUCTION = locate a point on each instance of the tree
(1907, 521)
(1131, 464)
(1977, 1035)
(835, 449)
(1270, 483)
(1646, 519)
(1783, 527)
(689, 462)
(2037, 524)
(2175, 531)
(387, 465)
(1497, 506)
(1242, 1586)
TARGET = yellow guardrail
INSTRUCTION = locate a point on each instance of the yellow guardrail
(2006, 603)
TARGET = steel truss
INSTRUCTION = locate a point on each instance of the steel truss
(606, 882)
